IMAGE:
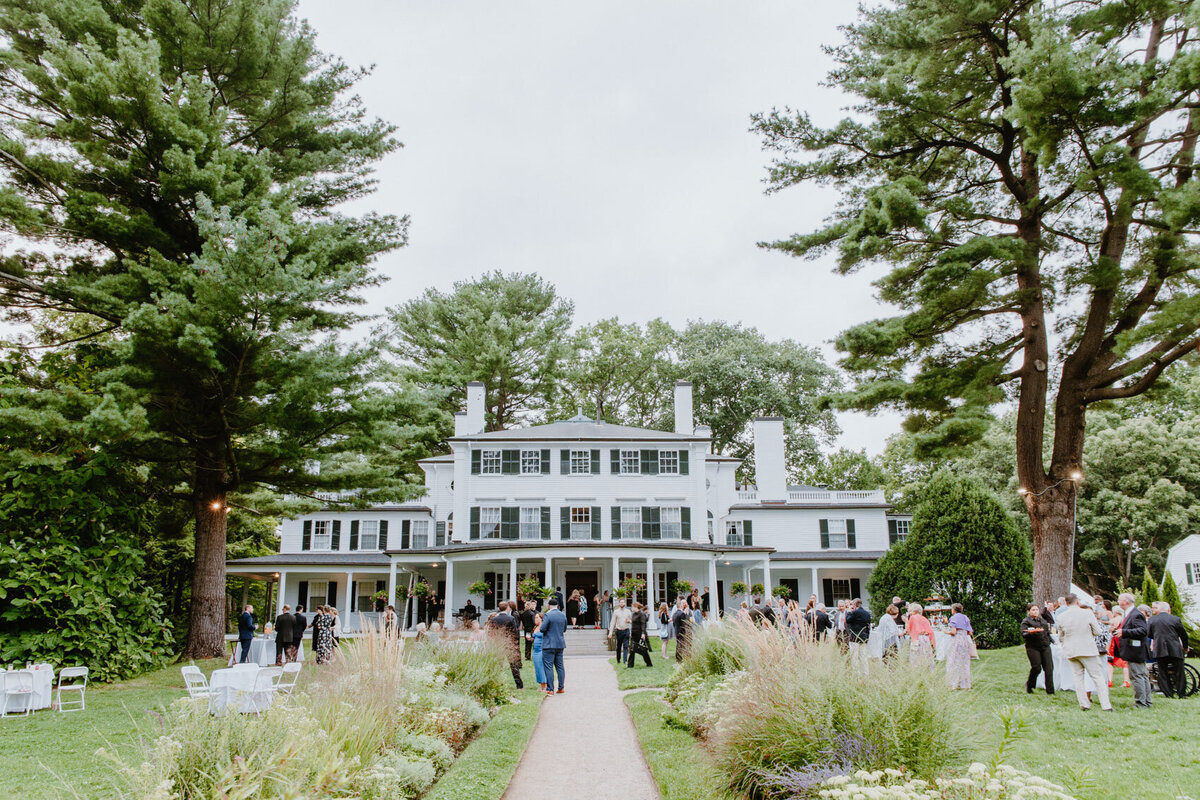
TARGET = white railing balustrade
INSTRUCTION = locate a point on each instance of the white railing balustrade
(823, 496)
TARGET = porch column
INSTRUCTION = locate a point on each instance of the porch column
(282, 588)
(392, 583)
(714, 596)
(766, 565)
(650, 594)
(816, 585)
(512, 581)
(616, 578)
(449, 598)
(346, 605)
(410, 604)
(550, 577)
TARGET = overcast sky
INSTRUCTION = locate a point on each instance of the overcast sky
(606, 147)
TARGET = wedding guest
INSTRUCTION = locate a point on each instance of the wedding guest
(889, 633)
(1036, 633)
(921, 646)
(743, 612)
(573, 608)
(337, 626)
(900, 606)
(422, 632)
(554, 643)
(1135, 630)
(475, 632)
(539, 668)
(1114, 648)
(704, 603)
(528, 624)
(297, 633)
(389, 620)
(285, 625)
(858, 630)
(1048, 613)
(618, 627)
(818, 622)
(1077, 628)
(666, 630)
(606, 609)
(1169, 641)
(583, 608)
(246, 631)
(682, 622)
(505, 630)
(958, 656)
(323, 635)
(1104, 638)
(597, 606)
(694, 602)
(639, 637)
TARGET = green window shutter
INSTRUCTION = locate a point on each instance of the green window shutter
(331, 594)
(302, 593)
(439, 533)
(596, 514)
(474, 522)
(383, 523)
(683, 462)
(510, 522)
(564, 462)
(336, 538)
(306, 536)
(616, 522)
(354, 535)
(614, 462)
(595, 462)
(545, 522)
(545, 462)
(685, 523)
(824, 534)
(564, 522)
(748, 533)
(855, 588)
(1190, 576)
(405, 534)
(892, 535)
(476, 461)
(649, 462)
(510, 462)
(827, 590)
(651, 526)
(850, 540)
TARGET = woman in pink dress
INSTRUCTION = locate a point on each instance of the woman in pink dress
(920, 636)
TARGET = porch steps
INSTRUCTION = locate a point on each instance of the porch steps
(587, 642)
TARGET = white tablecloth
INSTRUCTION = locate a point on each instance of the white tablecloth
(1063, 677)
(235, 688)
(262, 652)
(43, 689)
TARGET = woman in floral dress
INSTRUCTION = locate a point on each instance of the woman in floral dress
(958, 657)
(323, 636)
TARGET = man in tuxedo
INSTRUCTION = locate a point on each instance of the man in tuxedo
(297, 632)
(1169, 645)
(639, 622)
(504, 629)
(554, 642)
(527, 626)
(285, 623)
(246, 631)
(1135, 631)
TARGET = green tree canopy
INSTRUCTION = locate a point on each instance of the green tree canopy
(963, 545)
(507, 331)
(176, 168)
(1026, 171)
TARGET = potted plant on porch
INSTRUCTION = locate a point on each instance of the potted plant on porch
(530, 589)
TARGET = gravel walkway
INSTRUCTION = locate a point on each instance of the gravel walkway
(584, 745)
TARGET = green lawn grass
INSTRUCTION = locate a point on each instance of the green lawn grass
(1102, 755)
(52, 755)
(642, 676)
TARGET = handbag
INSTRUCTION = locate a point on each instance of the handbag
(974, 649)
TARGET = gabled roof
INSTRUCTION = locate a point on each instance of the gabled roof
(580, 430)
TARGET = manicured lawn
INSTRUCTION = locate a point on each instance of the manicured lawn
(1102, 755)
(49, 752)
(676, 760)
(483, 770)
(641, 675)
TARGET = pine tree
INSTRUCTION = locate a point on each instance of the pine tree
(1149, 588)
(176, 166)
(1170, 594)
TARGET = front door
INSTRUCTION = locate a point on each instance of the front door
(586, 582)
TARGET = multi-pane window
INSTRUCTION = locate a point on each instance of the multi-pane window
(631, 462)
(489, 462)
(837, 537)
(581, 521)
(318, 594)
(902, 526)
(581, 462)
(368, 534)
(631, 522)
(1193, 573)
(734, 534)
(364, 596)
(531, 522)
(531, 462)
(322, 536)
(420, 533)
(668, 462)
(489, 522)
(672, 525)
(841, 588)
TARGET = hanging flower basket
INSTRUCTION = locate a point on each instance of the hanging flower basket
(422, 589)
(631, 587)
(479, 587)
(737, 588)
(756, 589)
(683, 586)
(402, 592)
(782, 591)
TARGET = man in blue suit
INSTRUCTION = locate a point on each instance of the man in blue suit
(246, 631)
(554, 626)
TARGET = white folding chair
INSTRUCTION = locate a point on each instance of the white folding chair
(72, 674)
(19, 685)
(196, 683)
(265, 683)
(287, 681)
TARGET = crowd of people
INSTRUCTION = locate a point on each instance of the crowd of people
(289, 628)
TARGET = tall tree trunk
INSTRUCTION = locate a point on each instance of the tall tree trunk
(206, 633)
(1053, 540)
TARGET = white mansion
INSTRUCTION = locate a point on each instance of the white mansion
(584, 504)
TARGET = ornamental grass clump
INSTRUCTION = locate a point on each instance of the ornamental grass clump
(799, 708)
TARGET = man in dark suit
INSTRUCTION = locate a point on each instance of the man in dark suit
(554, 642)
(1169, 644)
(818, 621)
(246, 631)
(681, 621)
(558, 595)
(704, 603)
(527, 626)
(297, 632)
(285, 623)
(1135, 630)
(638, 643)
(503, 628)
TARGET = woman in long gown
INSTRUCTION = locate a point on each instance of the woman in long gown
(958, 656)
(323, 636)
(573, 608)
(539, 669)
(920, 637)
